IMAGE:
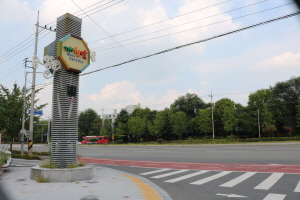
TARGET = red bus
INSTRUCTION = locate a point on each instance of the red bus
(100, 140)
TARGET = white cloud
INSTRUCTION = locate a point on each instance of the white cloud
(283, 61)
(204, 83)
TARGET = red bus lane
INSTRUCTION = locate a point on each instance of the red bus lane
(238, 167)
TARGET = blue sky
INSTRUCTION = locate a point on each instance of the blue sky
(231, 66)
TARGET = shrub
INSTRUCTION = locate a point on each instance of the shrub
(159, 141)
(119, 141)
(48, 164)
(26, 156)
(81, 164)
(3, 157)
(231, 138)
(41, 179)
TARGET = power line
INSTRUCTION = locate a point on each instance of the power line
(12, 71)
(93, 12)
(97, 7)
(103, 30)
(163, 20)
(186, 30)
(197, 42)
(21, 50)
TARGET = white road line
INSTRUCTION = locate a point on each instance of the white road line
(269, 182)
(210, 178)
(297, 189)
(170, 174)
(238, 180)
(272, 196)
(226, 151)
(153, 172)
(186, 176)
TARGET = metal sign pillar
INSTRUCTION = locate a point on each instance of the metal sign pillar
(64, 130)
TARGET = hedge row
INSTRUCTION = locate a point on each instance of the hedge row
(26, 156)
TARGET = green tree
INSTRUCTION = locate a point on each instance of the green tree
(224, 109)
(267, 121)
(108, 128)
(85, 121)
(179, 123)
(203, 121)
(11, 110)
(286, 94)
(190, 104)
(156, 129)
(121, 123)
(229, 119)
(137, 126)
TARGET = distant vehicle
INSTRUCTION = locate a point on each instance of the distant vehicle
(100, 140)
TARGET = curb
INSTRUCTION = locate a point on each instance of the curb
(163, 193)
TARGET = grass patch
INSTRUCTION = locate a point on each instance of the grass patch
(41, 179)
(81, 164)
(72, 165)
(48, 164)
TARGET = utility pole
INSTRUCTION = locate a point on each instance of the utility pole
(48, 132)
(212, 115)
(30, 145)
(258, 122)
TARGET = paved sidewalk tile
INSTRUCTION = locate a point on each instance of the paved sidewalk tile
(106, 184)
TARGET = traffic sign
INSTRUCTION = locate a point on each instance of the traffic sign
(37, 112)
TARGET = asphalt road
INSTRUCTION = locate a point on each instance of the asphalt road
(281, 153)
(208, 184)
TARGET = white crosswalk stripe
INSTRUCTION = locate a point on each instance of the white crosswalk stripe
(297, 189)
(264, 185)
(186, 176)
(269, 182)
(210, 178)
(156, 171)
(272, 196)
(238, 180)
(171, 173)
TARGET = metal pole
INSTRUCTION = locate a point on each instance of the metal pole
(30, 145)
(212, 115)
(48, 132)
(258, 122)
(23, 117)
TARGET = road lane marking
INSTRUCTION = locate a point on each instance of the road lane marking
(170, 174)
(210, 178)
(269, 182)
(226, 151)
(272, 196)
(153, 172)
(297, 189)
(186, 176)
(238, 180)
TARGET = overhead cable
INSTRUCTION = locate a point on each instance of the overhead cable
(185, 30)
(197, 42)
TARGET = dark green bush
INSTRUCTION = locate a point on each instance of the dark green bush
(26, 156)
(159, 141)
(119, 141)
(231, 138)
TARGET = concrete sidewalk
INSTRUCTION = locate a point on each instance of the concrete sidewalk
(106, 184)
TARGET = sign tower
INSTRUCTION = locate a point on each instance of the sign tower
(73, 53)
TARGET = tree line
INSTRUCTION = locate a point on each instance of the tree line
(269, 112)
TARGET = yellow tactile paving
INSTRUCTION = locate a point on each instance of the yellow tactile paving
(148, 192)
